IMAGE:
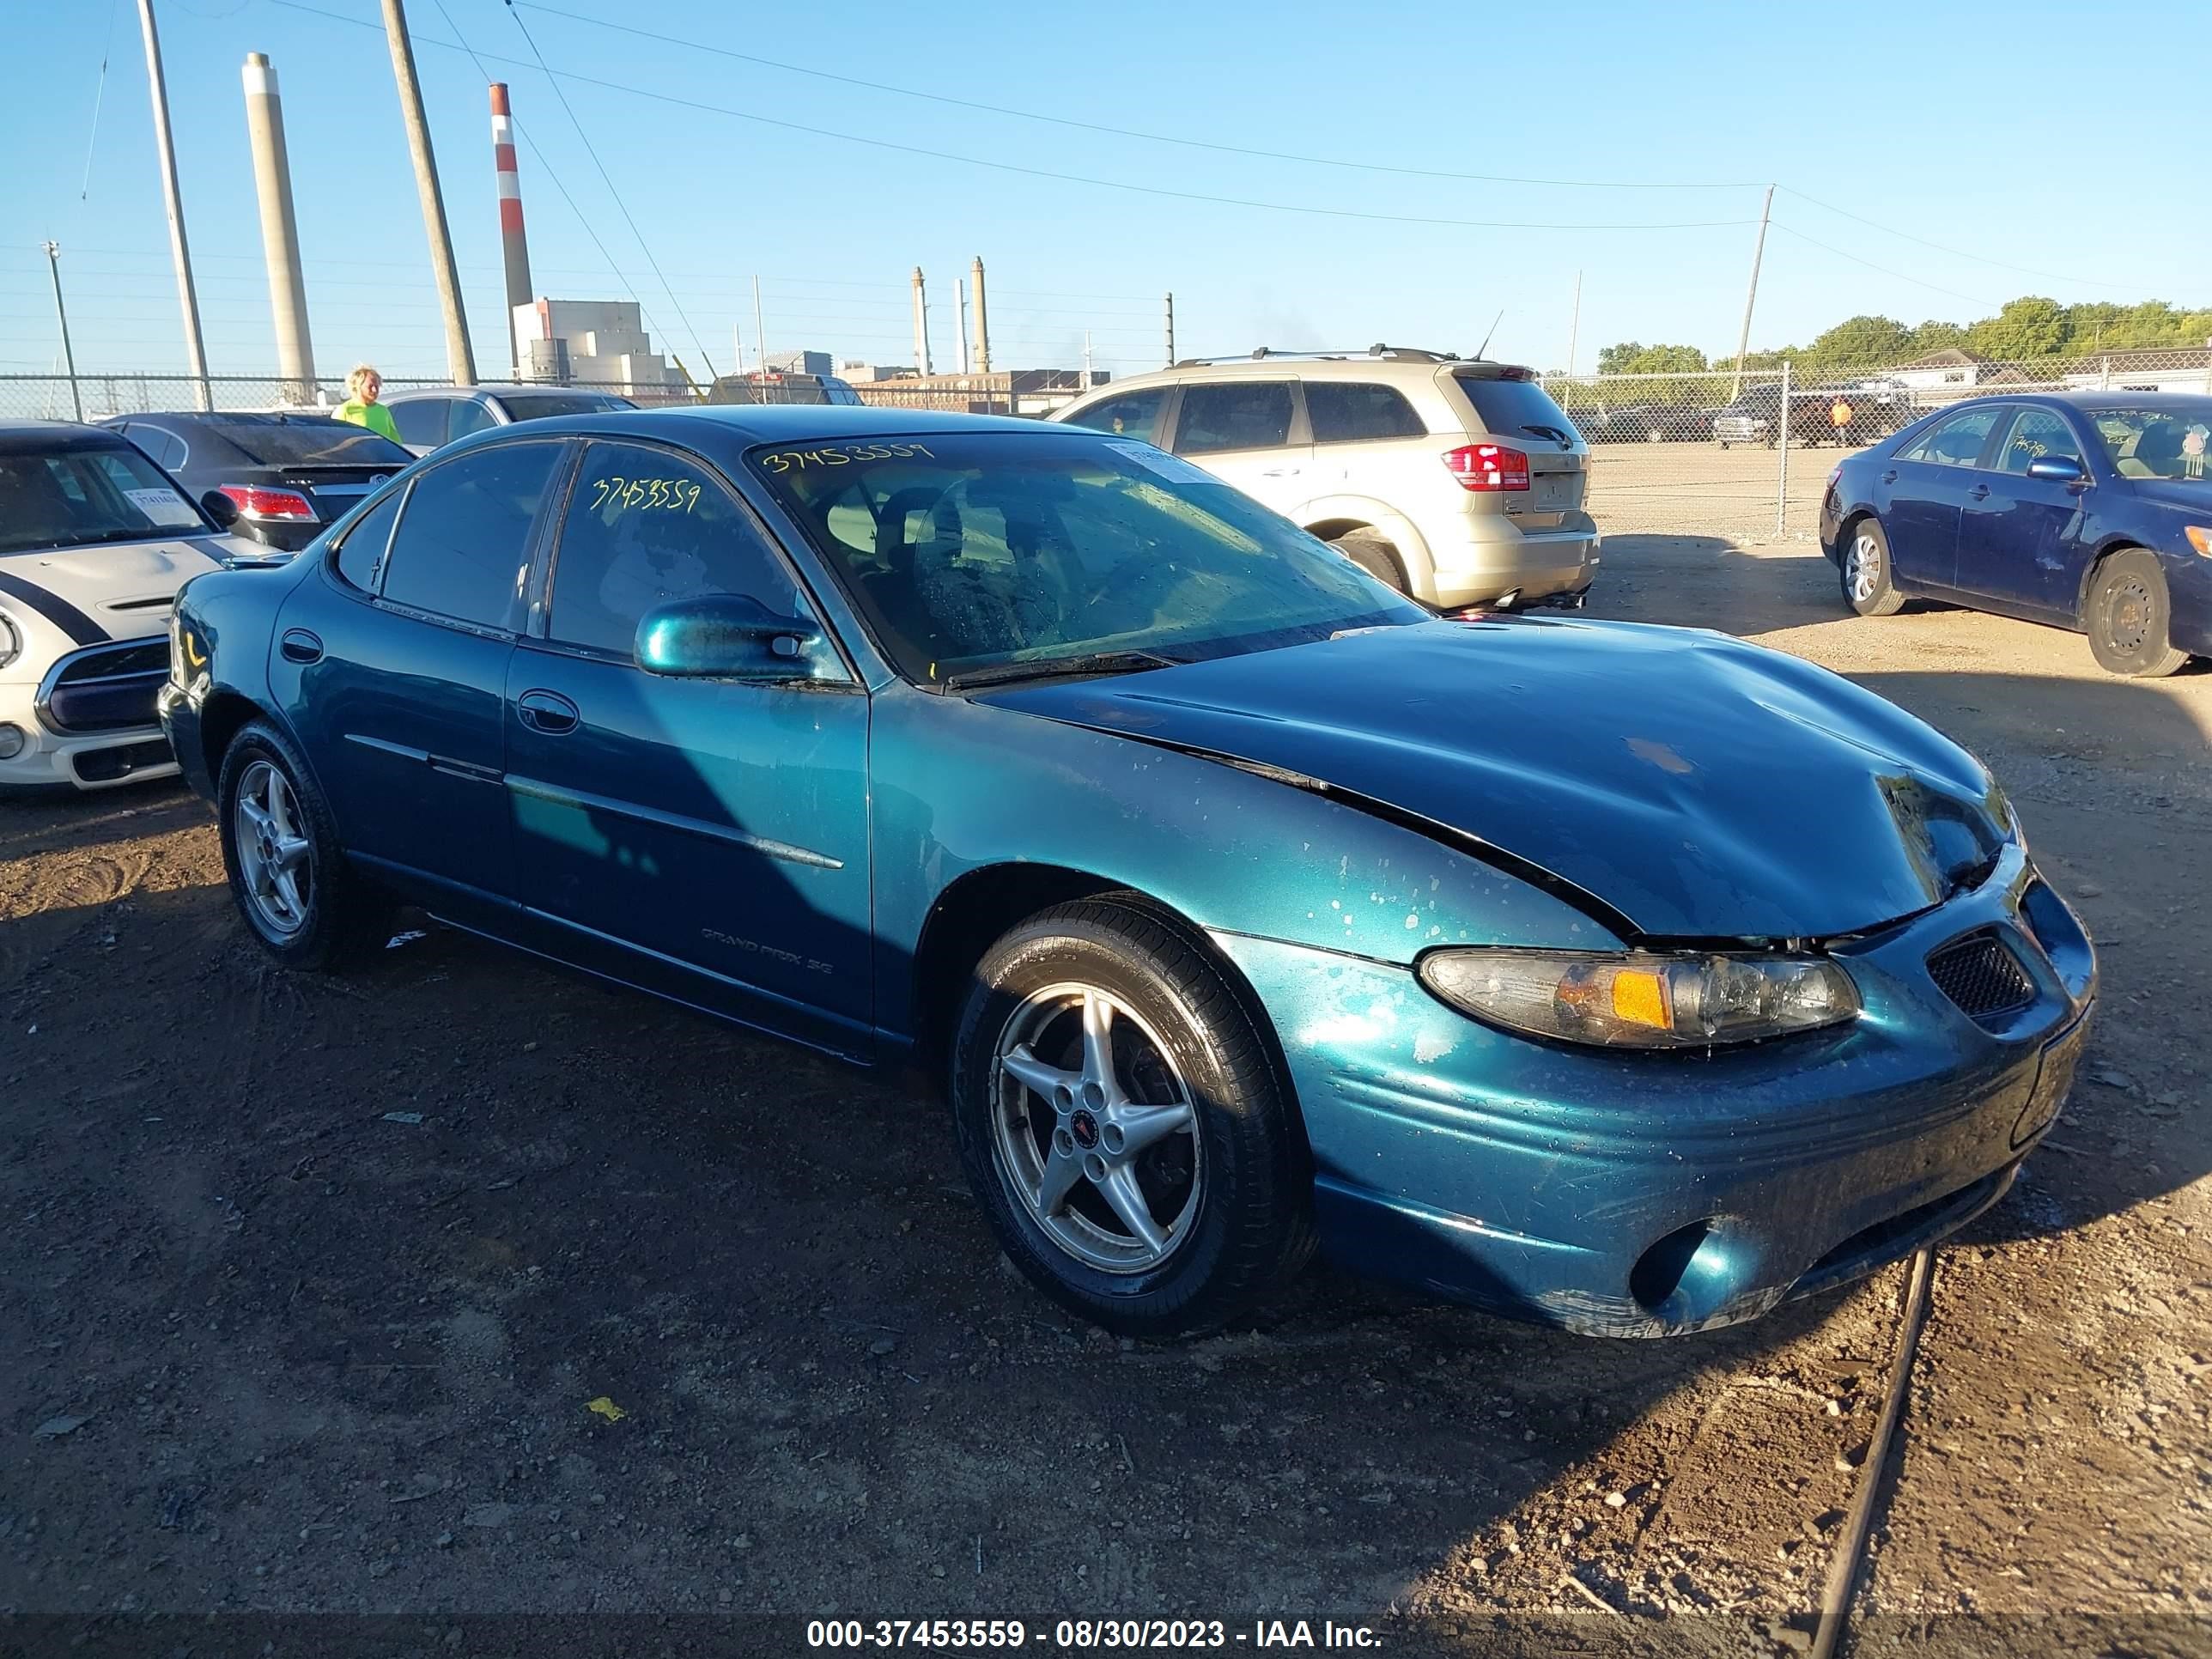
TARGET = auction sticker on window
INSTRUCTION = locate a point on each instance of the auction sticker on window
(163, 506)
(1163, 465)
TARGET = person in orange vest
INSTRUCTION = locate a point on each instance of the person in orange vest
(1839, 417)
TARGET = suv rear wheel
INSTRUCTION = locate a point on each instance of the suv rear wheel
(1373, 554)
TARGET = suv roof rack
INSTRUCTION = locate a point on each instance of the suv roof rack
(1268, 353)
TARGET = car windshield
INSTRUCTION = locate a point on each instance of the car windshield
(308, 441)
(2173, 441)
(56, 498)
(972, 551)
(545, 406)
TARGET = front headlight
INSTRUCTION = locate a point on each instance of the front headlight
(11, 640)
(1643, 999)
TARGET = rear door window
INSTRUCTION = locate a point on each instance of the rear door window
(421, 419)
(1347, 412)
(1131, 415)
(469, 416)
(1959, 440)
(463, 545)
(1233, 415)
(1516, 408)
(363, 550)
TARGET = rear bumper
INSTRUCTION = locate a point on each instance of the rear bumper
(1493, 556)
(1654, 1195)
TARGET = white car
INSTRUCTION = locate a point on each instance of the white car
(1457, 481)
(94, 542)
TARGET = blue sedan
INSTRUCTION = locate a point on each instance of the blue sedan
(2090, 510)
(1628, 979)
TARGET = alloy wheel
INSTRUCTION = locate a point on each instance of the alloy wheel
(1862, 568)
(275, 857)
(1095, 1129)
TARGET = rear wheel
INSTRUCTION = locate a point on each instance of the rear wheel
(1373, 554)
(1867, 585)
(1121, 1121)
(2127, 617)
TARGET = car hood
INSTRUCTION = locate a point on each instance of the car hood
(2190, 495)
(121, 588)
(1700, 787)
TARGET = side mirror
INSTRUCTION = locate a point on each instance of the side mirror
(728, 636)
(220, 507)
(2059, 469)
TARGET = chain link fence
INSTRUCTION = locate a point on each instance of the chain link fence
(1716, 454)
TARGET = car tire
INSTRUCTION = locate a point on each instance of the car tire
(1863, 564)
(290, 876)
(1374, 555)
(2128, 615)
(1226, 1190)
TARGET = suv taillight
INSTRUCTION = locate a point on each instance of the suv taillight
(258, 501)
(1487, 467)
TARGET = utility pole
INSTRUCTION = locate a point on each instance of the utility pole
(460, 359)
(279, 228)
(69, 357)
(1757, 251)
(960, 318)
(982, 319)
(1170, 300)
(760, 329)
(179, 248)
(1574, 325)
(1086, 360)
(921, 323)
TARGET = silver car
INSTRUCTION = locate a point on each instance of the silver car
(428, 416)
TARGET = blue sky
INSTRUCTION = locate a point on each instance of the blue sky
(1958, 123)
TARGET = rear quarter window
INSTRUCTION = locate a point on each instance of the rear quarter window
(1349, 411)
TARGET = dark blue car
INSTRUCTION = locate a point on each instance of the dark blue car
(2091, 510)
(1626, 978)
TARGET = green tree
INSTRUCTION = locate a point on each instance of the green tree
(1861, 342)
(1632, 358)
(2029, 327)
(1934, 336)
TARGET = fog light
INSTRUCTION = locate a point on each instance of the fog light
(12, 740)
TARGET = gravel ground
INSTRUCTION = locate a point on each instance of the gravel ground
(464, 1287)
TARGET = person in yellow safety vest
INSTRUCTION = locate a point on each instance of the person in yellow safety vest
(363, 387)
(1839, 417)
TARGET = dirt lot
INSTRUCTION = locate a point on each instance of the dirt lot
(267, 1348)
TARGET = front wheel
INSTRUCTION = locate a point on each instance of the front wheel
(1120, 1121)
(2127, 618)
(288, 875)
(1866, 587)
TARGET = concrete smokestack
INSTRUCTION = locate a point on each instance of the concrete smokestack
(982, 319)
(513, 245)
(279, 228)
(921, 323)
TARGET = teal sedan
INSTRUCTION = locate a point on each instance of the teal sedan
(1628, 979)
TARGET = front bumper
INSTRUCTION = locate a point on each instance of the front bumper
(83, 760)
(1649, 1195)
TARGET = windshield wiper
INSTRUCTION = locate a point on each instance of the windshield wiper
(1096, 662)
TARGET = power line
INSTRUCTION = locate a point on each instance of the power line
(1043, 172)
(591, 150)
(1117, 132)
(1917, 281)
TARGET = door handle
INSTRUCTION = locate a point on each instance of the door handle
(1280, 473)
(298, 645)
(1979, 491)
(1890, 477)
(548, 712)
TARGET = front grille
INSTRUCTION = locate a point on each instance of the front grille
(106, 765)
(106, 688)
(1982, 976)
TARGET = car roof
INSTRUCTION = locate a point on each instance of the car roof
(46, 437)
(1350, 366)
(401, 393)
(2079, 398)
(750, 423)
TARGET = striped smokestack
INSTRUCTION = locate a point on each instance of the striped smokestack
(513, 244)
